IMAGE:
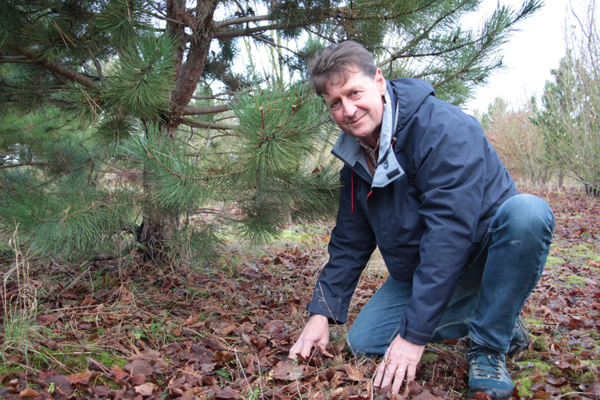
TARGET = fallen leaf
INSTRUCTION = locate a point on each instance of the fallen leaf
(82, 378)
(118, 372)
(226, 393)
(286, 371)
(47, 319)
(413, 388)
(146, 389)
(427, 395)
(481, 396)
(139, 366)
(138, 379)
(28, 393)
(563, 364)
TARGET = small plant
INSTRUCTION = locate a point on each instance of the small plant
(21, 330)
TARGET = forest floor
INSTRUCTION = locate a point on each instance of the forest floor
(110, 331)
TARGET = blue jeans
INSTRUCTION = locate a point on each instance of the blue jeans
(492, 289)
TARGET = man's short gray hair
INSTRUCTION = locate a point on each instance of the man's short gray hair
(339, 60)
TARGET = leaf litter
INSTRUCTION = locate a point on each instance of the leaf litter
(226, 333)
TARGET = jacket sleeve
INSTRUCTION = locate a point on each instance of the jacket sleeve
(350, 247)
(449, 169)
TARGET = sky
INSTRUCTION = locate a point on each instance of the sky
(529, 56)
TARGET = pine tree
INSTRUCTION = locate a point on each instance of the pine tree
(111, 125)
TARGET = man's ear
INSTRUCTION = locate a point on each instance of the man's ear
(380, 82)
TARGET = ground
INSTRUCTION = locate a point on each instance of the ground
(109, 330)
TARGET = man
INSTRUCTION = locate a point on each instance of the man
(463, 248)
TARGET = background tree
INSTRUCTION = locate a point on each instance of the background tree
(571, 105)
(122, 135)
(518, 141)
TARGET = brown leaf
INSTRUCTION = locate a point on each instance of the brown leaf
(594, 388)
(188, 395)
(226, 393)
(413, 388)
(192, 319)
(139, 366)
(555, 381)
(118, 372)
(50, 344)
(275, 325)
(426, 395)
(138, 379)
(70, 295)
(286, 371)
(28, 393)
(481, 396)
(339, 394)
(563, 364)
(541, 395)
(207, 368)
(146, 389)
(82, 378)
(47, 318)
(103, 391)
(355, 373)
(224, 356)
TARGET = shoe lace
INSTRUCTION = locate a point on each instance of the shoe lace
(485, 363)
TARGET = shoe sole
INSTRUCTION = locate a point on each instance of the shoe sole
(495, 394)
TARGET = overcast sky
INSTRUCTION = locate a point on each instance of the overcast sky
(529, 55)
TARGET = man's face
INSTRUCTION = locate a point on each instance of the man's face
(357, 104)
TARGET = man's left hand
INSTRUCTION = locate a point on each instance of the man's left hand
(400, 361)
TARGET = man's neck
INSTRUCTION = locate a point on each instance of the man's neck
(371, 140)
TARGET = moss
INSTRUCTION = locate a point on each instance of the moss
(523, 387)
(110, 360)
(552, 261)
(575, 280)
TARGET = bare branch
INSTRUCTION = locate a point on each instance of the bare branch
(204, 110)
(243, 20)
(205, 125)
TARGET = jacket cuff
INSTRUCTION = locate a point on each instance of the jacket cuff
(318, 311)
(412, 336)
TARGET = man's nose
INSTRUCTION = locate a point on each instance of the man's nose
(349, 108)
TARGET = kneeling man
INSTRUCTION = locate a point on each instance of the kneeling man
(463, 248)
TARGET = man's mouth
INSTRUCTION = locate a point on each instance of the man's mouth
(354, 121)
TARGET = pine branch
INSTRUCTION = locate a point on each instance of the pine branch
(25, 165)
(243, 20)
(59, 69)
(271, 43)
(58, 176)
(420, 37)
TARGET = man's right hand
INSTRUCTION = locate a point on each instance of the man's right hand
(315, 333)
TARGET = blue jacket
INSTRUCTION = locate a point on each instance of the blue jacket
(436, 187)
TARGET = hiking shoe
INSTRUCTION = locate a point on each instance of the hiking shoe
(520, 340)
(488, 374)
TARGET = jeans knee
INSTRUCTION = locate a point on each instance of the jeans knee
(354, 343)
(526, 215)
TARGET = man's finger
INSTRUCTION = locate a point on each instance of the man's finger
(411, 373)
(379, 374)
(388, 375)
(398, 379)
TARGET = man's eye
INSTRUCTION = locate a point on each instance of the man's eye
(334, 105)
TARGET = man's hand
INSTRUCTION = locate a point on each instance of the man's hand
(315, 333)
(401, 358)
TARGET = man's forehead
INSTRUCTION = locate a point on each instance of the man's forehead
(341, 78)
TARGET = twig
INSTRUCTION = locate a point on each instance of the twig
(58, 362)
